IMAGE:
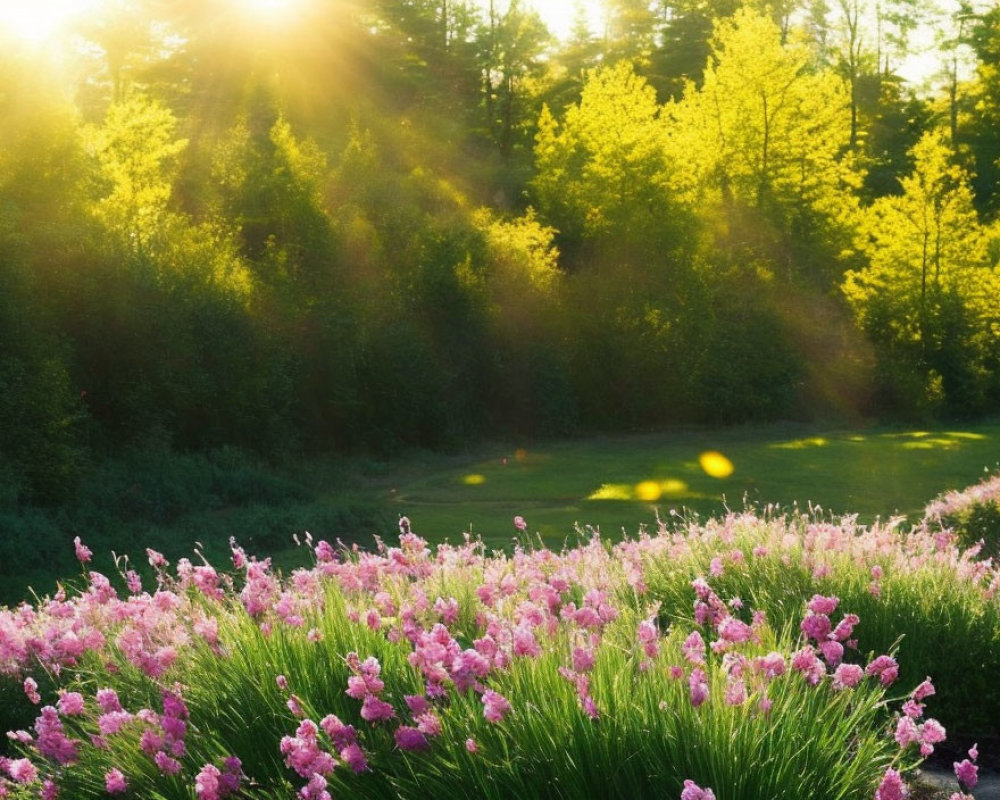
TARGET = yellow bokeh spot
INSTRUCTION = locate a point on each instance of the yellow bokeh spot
(648, 491)
(611, 491)
(520, 454)
(474, 480)
(673, 486)
(715, 464)
(802, 444)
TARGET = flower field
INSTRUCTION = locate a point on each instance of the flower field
(752, 656)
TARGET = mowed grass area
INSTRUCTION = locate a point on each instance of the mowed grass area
(621, 483)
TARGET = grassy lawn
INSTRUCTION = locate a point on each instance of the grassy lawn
(623, 482)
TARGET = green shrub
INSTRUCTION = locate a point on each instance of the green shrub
(973, 514)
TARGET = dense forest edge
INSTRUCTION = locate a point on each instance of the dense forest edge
(368, 227)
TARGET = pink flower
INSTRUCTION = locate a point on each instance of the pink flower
(885, 667)
(698, 686)
(913, 709)
(692, 791)
(694, 648)
(816, 626)
(525, 643)
(907, 732)
(495, 705)
(735, 631)
(71, 704)
(736, 693)
(409, 738)
(31, 691)
(772, 665)
(428, 723)
(583, 659)
(833, 652)
(520, 524)
(925, 689)
(206, 783)
(108, 700)
(805, 661)
(22, 770)
(967, 774)
(822, 605)
(353, 756)
(114, 782)
(471, 746)
(166, 764)
(847, 676)
(373, 709)
(83, 553)
(891, 787)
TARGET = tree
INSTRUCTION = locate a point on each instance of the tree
(923, 294)
(763, 141)
(135, 150)
(603, 175)
(511, 44)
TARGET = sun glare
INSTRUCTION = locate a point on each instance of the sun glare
(36, 21)
(272, 8)
(560, 15)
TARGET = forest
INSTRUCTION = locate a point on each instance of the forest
(362, 226)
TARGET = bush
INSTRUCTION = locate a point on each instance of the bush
(973, 514)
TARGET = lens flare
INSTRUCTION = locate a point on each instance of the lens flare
(715, 465)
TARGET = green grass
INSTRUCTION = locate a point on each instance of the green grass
(172, 501)
(871, 472)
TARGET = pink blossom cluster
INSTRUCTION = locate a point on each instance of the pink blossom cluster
(519, 608)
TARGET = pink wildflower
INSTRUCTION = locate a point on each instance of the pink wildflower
(31, 691)
(925, 689)
(891, 787)
(823, 605)
(805, 661)
(913, 709)
(114, 782)
(495, 705)
(907, 732)
(692, 791)
(694, 648)
(833, 652)
(409, 738)
(736, 693)
(967, 774)
(698, 685)
(847, 676)
(885, 667)
(583, 659)
(83, 553)
(71, 704)
(772, 665)
(525, 643)
(373, 709)
(22, 770)
(471, 746)
(167, 764)
(520, 524)
(206, 783)
(735, 631)
(816, 626)
(932, 732)
(428, 723)
(108, 700)
(353, 756)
